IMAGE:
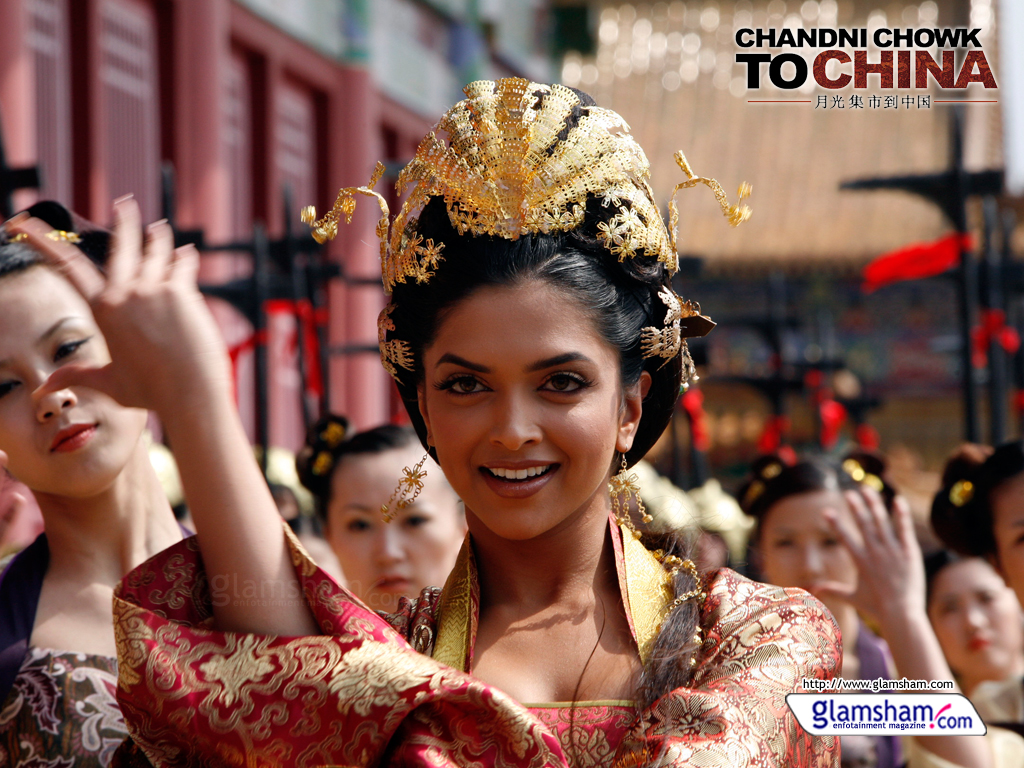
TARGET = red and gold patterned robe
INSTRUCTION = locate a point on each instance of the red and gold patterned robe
(371, 691)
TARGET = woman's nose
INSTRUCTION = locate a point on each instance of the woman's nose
(812, 560)
(514, 424)
(388, 547)
(52, 403)
(975, 617)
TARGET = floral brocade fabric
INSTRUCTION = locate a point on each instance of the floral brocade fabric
(366, 694)
(61, 712)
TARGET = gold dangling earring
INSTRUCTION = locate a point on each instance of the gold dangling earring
(411, 483)
(621, 488)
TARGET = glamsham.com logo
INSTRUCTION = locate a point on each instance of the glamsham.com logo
(926, 714)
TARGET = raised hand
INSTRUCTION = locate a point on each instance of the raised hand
(891, 578)
(161, 336)
(891, 588)
(167, 355)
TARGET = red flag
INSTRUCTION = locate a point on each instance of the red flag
(916, 261)
(693, 403)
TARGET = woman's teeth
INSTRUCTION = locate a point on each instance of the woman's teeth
(519, 474)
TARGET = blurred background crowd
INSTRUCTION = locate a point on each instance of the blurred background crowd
(864, 333)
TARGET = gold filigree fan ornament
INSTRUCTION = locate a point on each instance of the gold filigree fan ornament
(511, 168)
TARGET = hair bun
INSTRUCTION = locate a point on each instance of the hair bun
(869, 468)
(315, 461)
(961, 516)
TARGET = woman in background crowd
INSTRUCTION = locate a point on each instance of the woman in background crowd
(980, 513)
(85, 459)
(794, 545)
(977, 619)
(351, 476)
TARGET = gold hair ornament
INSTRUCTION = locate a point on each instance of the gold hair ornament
(323, 463)
(769, 471)
(408, 489)
(666, 342)
(333, 434)
(854, 469)
(57, 235)
(506, 171)
(61, 236)
(961, 492)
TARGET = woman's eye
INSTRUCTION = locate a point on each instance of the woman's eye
(832, 542)
(565, 382)
(462, 385)
(68, 348)
(7, 386)
(357, 526)
(415, 521)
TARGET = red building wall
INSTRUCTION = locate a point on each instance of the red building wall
(240, 109)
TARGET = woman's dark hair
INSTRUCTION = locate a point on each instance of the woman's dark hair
(962, 509)
(771, 480)
(17, 256)
(622, 299)
(934, 564)
(329, 440)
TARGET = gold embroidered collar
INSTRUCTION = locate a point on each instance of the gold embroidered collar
(644, 583)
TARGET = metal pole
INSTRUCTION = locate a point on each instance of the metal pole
(967, 285)
(997, 381)
(299, 293)
(261, 278)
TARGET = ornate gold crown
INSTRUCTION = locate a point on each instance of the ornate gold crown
(512, 167)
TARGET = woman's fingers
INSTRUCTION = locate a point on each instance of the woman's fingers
(903, 520)
(846, 534)
(74, 375)
(836, 589)
(185, 265)
(126, 248)
(62, 256)
(865, 522)
(879, 516)
(158, 252)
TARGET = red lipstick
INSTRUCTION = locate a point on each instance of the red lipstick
(72, 437)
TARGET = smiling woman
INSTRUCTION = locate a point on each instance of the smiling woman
(538, 345)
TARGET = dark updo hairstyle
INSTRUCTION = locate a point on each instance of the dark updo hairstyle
(17, 256)
(621, 296)
(962, 509)
(771, 480)
(329, 440)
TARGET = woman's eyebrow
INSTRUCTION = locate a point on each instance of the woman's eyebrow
(49, 332)
(568, 357)
(448, 357)
(56, 327)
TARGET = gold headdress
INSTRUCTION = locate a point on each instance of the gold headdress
(511, 166)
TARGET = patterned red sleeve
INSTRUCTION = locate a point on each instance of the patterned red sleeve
(357, 695)
(760, 642)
